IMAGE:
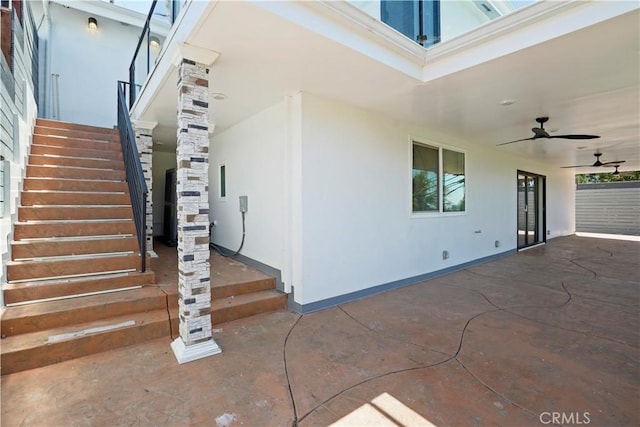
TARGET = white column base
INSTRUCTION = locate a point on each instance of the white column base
(189, 353)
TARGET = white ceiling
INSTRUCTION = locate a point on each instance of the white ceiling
(586, 82)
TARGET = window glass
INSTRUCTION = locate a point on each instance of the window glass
(438, 179)
(453, 179)
(425, 179)
(223, 181)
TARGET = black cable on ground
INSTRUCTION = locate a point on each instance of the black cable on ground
(286, 373)
(220, 249)
(424, 366)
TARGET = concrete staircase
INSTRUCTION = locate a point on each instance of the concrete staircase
(74, 287)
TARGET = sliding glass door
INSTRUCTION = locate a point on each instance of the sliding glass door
(531, 209)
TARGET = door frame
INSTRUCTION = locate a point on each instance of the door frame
(541, 209)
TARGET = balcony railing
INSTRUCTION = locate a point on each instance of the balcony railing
(150, 43)
(429, 22)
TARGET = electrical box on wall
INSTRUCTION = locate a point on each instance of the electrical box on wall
(244, 203)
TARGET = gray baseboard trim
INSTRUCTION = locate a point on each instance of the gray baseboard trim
(266, 269)
(352, 296)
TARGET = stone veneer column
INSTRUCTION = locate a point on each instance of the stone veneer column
(144, 142)
(192, 186)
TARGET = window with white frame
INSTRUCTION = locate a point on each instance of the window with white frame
(438, 179)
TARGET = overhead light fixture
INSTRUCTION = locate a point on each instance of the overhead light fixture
(154, 43)
(507, 102)
(219, 96)
(93, 24)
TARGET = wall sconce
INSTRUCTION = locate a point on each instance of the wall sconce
(154, 43)
(93, 24)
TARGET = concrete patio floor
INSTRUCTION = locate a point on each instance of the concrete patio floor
(549, 334)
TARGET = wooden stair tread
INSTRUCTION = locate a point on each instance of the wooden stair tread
(97, 163)
(51, 248)
(80, 303)
(29, 351)
(48, 123)
(54, 288)
(71, 172)
(95, 134)
(82, 153)
(39, 338)
(55, 197)
(61, 141)
(71, 228)
(61, 184)
(238, 300)
(59, 268)
(44, 315)
(79, 213)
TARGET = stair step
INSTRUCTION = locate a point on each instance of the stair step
(29, 213)
(37, 159)
(24, 319)
(25, 249)
(82, 153)
(241, 306)
(48, 123)
(34, 171)
(89, 144)
(59, 268)
(46, 229)
(45, 289)
(74, 185)
(74, 133)
(44, 197)
(238, 307)
(233, 289)
(33, 350)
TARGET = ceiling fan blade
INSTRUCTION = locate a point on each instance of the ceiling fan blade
(577, 166)
(614, 163)
(575, 136)
(517, 140)
(540, 133)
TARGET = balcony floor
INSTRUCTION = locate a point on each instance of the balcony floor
(549, 332)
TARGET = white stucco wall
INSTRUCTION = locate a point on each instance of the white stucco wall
(357, 226)
(331, 184)
(253, 152)
(89, 64)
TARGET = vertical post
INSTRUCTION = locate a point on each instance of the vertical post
(194, 282)
(144, 141)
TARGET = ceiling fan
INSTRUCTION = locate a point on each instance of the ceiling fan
(598, 163)
(542, 133)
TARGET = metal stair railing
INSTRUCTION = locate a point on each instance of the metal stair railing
(135, 176)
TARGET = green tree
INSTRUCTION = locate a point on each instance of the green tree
(425, 191)
(597, 178)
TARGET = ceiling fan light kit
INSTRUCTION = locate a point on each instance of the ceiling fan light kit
(540, 133)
